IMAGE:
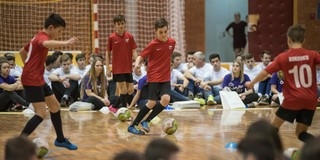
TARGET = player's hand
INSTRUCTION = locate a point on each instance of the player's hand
(207, 87)
(72, 41)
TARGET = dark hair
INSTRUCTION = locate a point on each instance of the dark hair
(65, 58)
(296, 33)
(50, 59)
(247, 56)
(70, 55)
(19, 148)
(214, 55)
(8, 54)
(3, 60)
(265, 129)
(265, 52)
(174, 55)
(259, 146)
(57, 53)
(10, 58)
(160, 148)
(311, 150)
(118, 18)
(128, 155)
(80, 56)
(55, 20)
(160, 23)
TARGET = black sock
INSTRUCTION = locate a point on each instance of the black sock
(129, 98)
(117, 103)
(304, 137)
(156, 110)
(31, 125)
(57, 124)
(123, 100)
(143, 112)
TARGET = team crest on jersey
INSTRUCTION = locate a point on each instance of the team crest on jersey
(170, 47)
(127, 40)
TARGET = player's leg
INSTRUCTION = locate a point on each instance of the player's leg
(281, 116)
(35, 95)
(54, 107)
(158, 108)
(304, 120)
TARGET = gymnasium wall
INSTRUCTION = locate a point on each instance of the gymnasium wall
(308, 13)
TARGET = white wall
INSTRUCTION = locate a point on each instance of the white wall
(219, 13)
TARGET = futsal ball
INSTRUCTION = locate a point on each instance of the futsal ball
(169, 126)
(292, 153)
(123, 114)
(42, 147)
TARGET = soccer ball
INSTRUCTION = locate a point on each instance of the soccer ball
(123, 114)
(169, 126)
(292, 153)
(42, 147)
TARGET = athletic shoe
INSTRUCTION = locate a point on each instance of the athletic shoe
(64, 102)
(135, 130)
(112, 109)
(146, 126)
(211, 101)
(264, 100)
(66, 144)
(200, 100)
(168, 107)
(251, 105)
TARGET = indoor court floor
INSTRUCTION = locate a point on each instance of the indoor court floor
(202, 133)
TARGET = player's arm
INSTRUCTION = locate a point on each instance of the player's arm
(55, 43)
(135, 99)
(138, 62)
(75, 77)
(134, 54)
(260, 77)
(54, 78)
(23, 54)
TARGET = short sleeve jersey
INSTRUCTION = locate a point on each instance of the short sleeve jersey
(158, 54)
(121, 47)
(33, 71)
(300, 83)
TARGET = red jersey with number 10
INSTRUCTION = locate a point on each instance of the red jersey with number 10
(300, 82)
(33, 70)
(158, 54)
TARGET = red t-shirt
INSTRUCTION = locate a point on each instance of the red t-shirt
(300, 81)
(121, 47)
(32, 74)
(158, 54)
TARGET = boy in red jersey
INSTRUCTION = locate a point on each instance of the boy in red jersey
(158, 54)
(123, 48)
(34, 55)
(300, 85)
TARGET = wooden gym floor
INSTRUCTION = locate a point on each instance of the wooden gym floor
(202, 133)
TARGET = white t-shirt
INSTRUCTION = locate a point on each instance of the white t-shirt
(81, 72)
(175, 76)
(16, 72)
(216, 75)
(136, 77)
(46, 76)
(59, 72)
(252, 73)
(182, 67)
(200, 72)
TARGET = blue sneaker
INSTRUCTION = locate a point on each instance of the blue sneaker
(168, 107)
(135, 130)
(66, 144)
(146, 126)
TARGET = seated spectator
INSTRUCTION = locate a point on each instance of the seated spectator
(20, 148)
(251, 69)
(8, 87)
(236, 81)
(212, 82)
(64, 82)
(276, 83)
(178, 91)
(51, 64)
(311, 150)
(81, 65)
(161, 149)
(176, 59)
(15, 70)
(189, 60)
(128, 155)
(264, 86)
(94, 86)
